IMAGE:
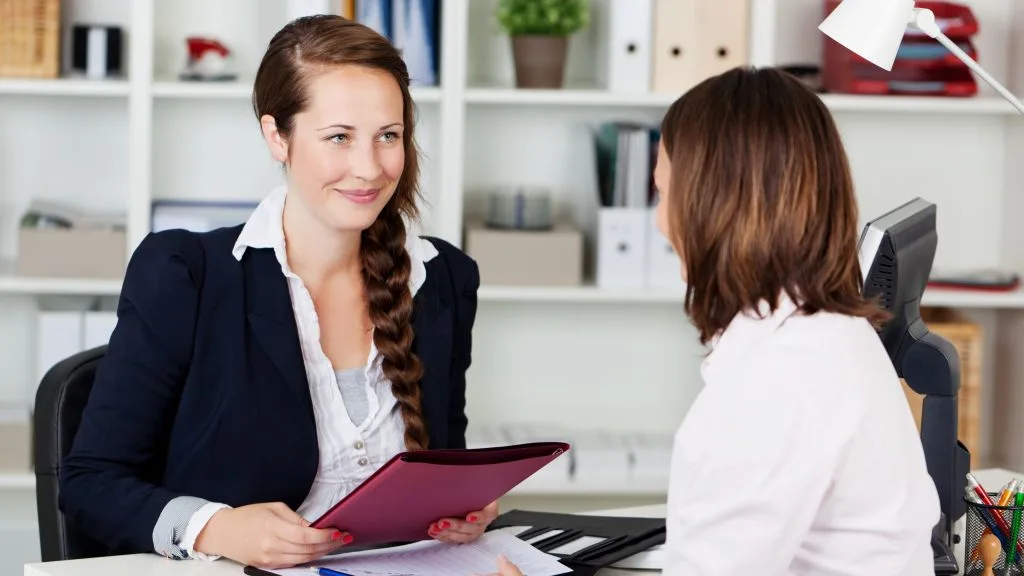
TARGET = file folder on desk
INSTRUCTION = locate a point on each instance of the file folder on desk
(583, 543)
(414, 489)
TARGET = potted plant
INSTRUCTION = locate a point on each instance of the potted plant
(540, 31)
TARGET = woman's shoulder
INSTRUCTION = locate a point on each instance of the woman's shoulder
(443, 259)
(183, 252)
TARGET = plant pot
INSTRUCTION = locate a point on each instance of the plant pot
(539, 60)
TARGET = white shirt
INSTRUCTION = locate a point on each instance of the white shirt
(799, 456)
(348, 453)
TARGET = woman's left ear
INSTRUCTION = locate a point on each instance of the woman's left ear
(276, 142)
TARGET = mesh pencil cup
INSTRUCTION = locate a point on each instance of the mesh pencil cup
(989, 532)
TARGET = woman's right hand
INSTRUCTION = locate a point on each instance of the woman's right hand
(267, 536)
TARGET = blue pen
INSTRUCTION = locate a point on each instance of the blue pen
(327, 571)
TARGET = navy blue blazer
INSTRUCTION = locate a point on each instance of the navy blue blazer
(203, 390)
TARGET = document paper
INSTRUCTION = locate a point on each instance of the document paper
(433, 558)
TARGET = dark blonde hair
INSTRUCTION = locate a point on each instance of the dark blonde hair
(761, 201)
(281, 90)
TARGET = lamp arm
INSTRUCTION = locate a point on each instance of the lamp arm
(924, 20)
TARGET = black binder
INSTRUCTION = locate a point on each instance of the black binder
(622, 537)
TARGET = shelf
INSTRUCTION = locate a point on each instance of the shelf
(592, 488)
(64, 87)
(578, 294)
(980, 105)
(836, 102)
(17, 481)
(243, 91)
(973, 299)
(11, 283)
(590, 294)
(566, 97)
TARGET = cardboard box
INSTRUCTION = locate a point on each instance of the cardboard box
(527, 258)
(96, 253)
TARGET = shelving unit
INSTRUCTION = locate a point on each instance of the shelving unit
(64, 87)
(624, 359)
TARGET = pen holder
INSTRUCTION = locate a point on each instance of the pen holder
(980, 551)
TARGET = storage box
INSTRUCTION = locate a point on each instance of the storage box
(622, 241)
(30, 38)
(97, 253)
(525, 257)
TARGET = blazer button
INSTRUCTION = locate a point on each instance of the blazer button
(358, 445)
(363, 461)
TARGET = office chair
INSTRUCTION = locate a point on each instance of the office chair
(60, 400)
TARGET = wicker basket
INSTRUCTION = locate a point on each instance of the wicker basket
(966, 336)
(30, 38)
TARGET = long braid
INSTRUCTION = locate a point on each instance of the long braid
(386, 269)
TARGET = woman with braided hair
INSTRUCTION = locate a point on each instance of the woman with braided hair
(259, 373)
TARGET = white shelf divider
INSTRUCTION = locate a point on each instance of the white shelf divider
(242, 90)
(590, 294)
(975, 106)
(17, 480)
(71, 87)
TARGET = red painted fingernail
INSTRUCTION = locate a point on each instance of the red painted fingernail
(472, 518)
(348, 539)
(336, 535)
(445, 524)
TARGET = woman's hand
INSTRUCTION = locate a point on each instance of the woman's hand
(266, 536)
(456, 531)
(506, 568)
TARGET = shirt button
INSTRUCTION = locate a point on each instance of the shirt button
(358, 445)
(363, 461)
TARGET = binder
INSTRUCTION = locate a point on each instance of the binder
(605, 540)
(695, 40)
(413, 33)
(629, 60)
(675, 46)
(664, 268)
(413, 489)
(724, 30)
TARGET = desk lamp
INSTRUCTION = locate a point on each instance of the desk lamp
(873, 29)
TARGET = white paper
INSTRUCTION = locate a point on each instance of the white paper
(570, 548)
(544, 536)
(433, 558)
(515, 530)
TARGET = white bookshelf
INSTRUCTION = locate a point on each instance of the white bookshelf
(64, 87)
(17, 481)
(627, 359)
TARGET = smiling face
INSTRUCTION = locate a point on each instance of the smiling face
(345, 153)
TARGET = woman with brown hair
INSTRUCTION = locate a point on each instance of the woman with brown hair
(259, 373)
(800, 454)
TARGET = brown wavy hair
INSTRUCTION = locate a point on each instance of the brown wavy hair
(292, 57)
(761, 201)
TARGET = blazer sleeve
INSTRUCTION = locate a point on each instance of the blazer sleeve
(109, 481)
(466, 288)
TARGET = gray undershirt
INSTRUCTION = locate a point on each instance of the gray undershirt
(352, 385)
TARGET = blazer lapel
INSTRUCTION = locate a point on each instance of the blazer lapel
(271, 318)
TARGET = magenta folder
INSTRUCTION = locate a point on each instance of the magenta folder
(414, 489)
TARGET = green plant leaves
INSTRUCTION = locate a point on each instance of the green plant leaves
(546, 17)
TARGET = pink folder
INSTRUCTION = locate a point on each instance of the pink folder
(414, 489)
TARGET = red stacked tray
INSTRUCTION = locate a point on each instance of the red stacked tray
(922, 67)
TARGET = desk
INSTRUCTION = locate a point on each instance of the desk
(153, 565)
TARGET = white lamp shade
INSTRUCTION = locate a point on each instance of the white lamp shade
(872, 29)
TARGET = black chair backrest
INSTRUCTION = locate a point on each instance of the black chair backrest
(60, 400)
